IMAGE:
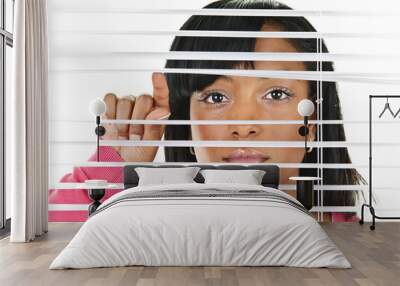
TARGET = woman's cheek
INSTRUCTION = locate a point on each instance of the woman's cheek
(202, 111)
(207, 132)
(287, 132)
(283, 133)
(204, 132)
(205, 154)
(286, 155)
(208, 154)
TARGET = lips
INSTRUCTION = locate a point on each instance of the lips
(246, 156)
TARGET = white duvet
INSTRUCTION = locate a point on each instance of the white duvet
(207, 230)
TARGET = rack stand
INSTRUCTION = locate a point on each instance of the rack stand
(370, 206)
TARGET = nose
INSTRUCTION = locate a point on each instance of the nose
(245, 108)
(244, 131)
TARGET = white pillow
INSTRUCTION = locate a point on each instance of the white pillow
(162, 176)
(249, 177)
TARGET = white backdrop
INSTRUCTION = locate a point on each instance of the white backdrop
(70, 93)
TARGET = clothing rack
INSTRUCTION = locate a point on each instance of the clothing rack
(370, 205)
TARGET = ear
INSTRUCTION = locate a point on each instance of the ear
(312, 128)
(312, 132)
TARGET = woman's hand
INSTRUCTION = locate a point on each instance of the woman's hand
(142, 107)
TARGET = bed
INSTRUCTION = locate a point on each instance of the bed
(201, 224)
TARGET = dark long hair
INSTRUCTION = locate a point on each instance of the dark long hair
(183, 85)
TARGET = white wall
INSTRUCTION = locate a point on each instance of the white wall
(70, 94)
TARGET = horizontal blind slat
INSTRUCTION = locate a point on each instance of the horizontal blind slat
(84, 207)
(222, 122)
(337, 209)
(234, 122)
(227, 34)
(361, 77)
(243, 143)
(225, 143)
(76, 186)
(286, 187)
(280, 165)
(230, 12)
(244, 56)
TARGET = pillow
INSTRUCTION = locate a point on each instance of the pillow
(248, 177)
(162, 176)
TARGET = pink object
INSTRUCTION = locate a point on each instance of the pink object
(80, 196)
(344, 217)
(112, 175)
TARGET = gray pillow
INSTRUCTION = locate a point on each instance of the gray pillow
(248, 177)
(162, 176)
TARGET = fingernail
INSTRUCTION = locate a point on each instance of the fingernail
(122, 137)
(165, 116)
(135, 137)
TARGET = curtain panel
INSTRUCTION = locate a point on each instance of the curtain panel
(29, 122)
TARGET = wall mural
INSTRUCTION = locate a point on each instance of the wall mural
(215, 97)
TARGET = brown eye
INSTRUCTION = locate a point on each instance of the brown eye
(278, 94)
(215, 97)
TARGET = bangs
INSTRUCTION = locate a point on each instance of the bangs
(197, 82)
(188, 83)
(183, 85)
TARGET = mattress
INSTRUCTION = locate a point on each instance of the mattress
(201, 225)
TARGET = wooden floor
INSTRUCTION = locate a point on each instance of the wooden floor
(375, 257)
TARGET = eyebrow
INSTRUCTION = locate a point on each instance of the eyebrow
(226, 77)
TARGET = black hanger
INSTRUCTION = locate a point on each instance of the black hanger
(397, 113)
(387, 107)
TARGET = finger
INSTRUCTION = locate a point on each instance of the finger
(155, 132)
(160, 90)
(143, 106)
(124, 112)
(111, 105)
(111, 131)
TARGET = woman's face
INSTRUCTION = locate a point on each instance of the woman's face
(249, 98)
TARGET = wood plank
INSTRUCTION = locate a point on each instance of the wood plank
(375, 257)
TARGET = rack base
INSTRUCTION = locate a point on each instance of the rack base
(374, 216)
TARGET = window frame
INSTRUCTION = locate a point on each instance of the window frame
(6, 39)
